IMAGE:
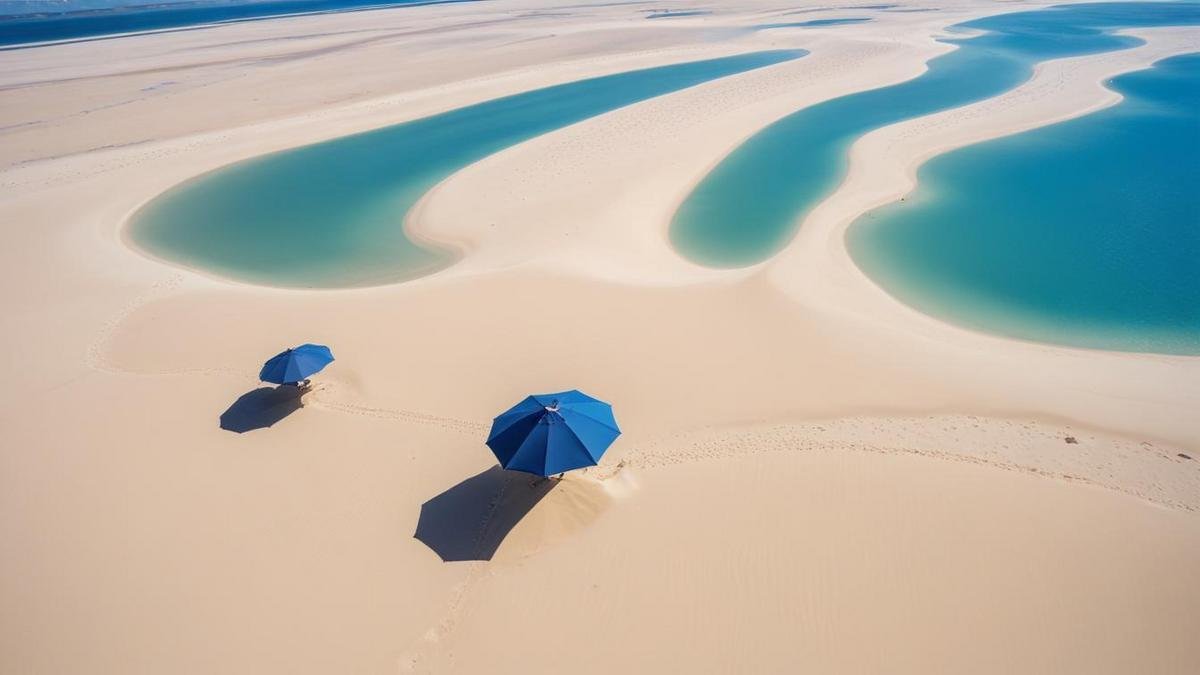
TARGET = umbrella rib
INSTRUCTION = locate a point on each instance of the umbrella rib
(521, 447)
(507, 424)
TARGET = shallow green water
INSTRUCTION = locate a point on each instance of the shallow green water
(1086, 232)
(331, 214)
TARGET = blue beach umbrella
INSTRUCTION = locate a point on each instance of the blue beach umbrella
(547, 434)
(294, 365)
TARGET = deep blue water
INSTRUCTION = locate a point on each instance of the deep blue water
(1086, 232)
(331, 214)
(97, 23)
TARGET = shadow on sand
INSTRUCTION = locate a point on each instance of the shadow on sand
(470, 520)
(260, 408)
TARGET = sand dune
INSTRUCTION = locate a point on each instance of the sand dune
(812, 476)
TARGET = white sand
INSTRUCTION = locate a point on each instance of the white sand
(813, 476)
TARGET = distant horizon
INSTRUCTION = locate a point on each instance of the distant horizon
(89, 20)
(50, 8)
(30, 7)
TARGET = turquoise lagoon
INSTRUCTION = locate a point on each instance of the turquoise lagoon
(331, 214)
(746, 209)
(1086, 232)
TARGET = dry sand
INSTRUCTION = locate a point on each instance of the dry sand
(812, 477)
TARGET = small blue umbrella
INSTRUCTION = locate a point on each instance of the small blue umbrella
(547, 434)
(294, 365)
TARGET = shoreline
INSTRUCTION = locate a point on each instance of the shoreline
(896, 153)
(456, 252)
(1167, 43)
(341, 243)
(700, 274)
(469, 263)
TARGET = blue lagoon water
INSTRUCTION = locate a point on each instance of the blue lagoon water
(331, 214)
(1086, 232)
(42, 27)
(746, 209)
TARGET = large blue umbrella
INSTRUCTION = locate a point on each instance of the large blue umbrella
(294, 365)
(547, 434)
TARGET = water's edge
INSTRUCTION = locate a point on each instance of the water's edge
(944, 254)
(331, 214)
(748, 207)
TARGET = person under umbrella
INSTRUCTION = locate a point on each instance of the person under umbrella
(294, 366)
(548, 434)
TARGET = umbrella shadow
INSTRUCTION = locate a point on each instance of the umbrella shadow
(262, 407)
(470, 520)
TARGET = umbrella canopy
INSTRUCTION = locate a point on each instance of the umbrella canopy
(294, 365)
(547, 434)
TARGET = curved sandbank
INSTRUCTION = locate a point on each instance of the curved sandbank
(329, 215)
(793, 164)
(620, 238)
